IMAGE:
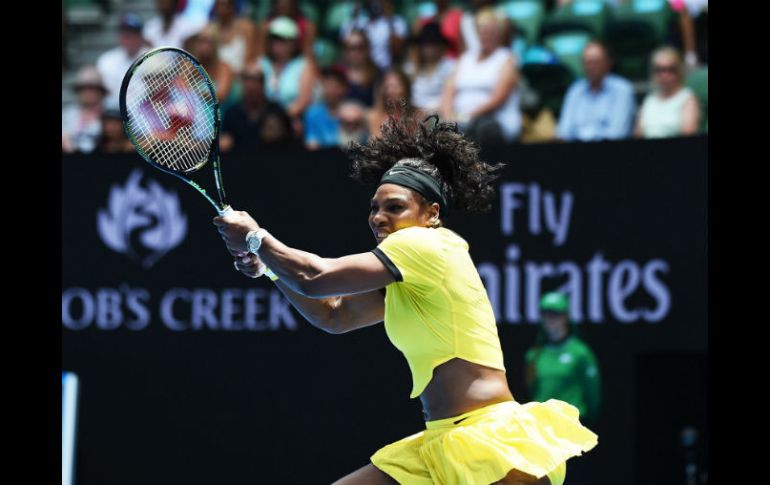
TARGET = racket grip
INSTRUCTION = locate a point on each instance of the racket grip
(225, 211)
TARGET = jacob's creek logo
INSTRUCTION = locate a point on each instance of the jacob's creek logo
(144, 222)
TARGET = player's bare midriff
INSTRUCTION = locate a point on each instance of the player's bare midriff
(459, 386)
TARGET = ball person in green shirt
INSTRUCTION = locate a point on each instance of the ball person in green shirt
(560, 365)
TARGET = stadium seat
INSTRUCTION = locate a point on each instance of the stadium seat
(527, 15)
(260, 9)
(656, 13)
(698, 81)
(336, 15)
(568, 47)
(547, 77)
(325, 52)
(631, 42)
(411, 11)
(587, 15)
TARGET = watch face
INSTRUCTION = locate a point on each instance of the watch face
(254, 243)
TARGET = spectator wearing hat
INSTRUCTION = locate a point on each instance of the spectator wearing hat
(560, 365)
(242, 122)
(431, 69)
(169, 28)
(114, 63)
(237, 34)
(385, 30)
(322, 126)
(81, 123)
(599, 107)
(449, 20)
(113, 138)
(289, 75)
(289, 8)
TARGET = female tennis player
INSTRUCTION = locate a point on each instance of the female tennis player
(421, 282)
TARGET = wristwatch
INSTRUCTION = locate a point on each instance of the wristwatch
(254, 239)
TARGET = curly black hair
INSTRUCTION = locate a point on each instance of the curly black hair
(439, 149)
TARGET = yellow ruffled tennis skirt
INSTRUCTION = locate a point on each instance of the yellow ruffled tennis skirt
(482, 446)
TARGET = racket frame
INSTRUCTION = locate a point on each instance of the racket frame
(213, 157)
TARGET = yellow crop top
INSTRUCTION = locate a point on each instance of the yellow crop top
(438, 308)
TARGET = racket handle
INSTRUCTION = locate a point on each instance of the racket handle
(225, 211)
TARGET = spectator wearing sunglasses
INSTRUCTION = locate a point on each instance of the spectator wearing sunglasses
(671, 109)
(359, 67)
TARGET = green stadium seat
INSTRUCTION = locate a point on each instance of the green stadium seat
(698, 81)
(632, 42)
(325, 52)
(336, 15)
(588, 15)
(412, 11)
(547, 77)
(310, 11)
(656, 13)
(568, 47)
(260, 9)
(527, 15)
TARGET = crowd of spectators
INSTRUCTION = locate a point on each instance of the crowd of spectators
(474, 63)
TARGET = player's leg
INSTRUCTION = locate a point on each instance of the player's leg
(367, 475)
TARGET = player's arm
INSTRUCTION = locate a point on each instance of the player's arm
(338, 314)
(305, 273)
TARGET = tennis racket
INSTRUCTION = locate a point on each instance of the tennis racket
(171, 114)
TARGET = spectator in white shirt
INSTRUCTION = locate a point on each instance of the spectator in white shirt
(81, 123)
(431, 68)
(170, 28)
(385, 29)
(114, 63)
(483, 93)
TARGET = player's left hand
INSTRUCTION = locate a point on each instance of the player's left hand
(233, 228)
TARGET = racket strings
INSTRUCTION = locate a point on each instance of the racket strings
(172, 112)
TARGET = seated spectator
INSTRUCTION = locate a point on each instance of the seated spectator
(242, 123)
(359, 67)
(81, 124)
(322, 125)
(289, 75)
(113, 139)
(601, 106)
(394, 99)
(289, 8)
(483, 93)
(431, 70)
(385, 29)
(236, 33)
(114, 63)
(671, 109)
(276, 128)
(352, 116)
(448, 18)
(169, 28)
(205, 47)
